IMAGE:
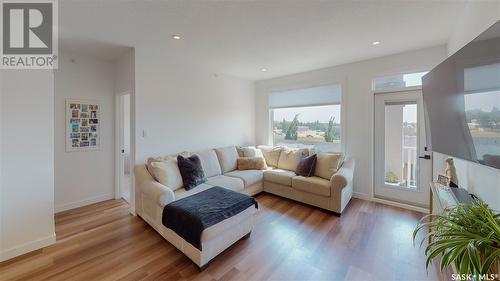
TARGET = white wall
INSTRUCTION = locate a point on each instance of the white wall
(356, 79)
(477, 17)
(124, 73)
(27, 161)
(478, 179)
(82, 178)
(188, 108)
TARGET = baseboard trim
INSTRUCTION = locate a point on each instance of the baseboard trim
(366, 197)
(361, 196)
(27, 247)
(85, 202)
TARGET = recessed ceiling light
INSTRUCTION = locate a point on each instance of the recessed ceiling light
(263, 69)
(176, 37)
(375, 43)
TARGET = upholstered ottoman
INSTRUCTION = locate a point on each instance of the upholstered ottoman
(228, 214)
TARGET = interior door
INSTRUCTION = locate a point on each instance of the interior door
(403, 168)
(124, 147)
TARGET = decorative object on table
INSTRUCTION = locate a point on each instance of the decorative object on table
(82, 125)
(451, 172)
(466, 236)
(443, 180)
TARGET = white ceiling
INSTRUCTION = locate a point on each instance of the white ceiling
(241, 37)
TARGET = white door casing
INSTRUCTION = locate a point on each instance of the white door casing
(385, 103)
(122, 150)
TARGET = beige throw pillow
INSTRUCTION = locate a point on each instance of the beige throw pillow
(166, 172)
(271, 154)
(227, 158)
(163, 158)
(250, 151)
(290, 158)
(251, 163)
(327, 164)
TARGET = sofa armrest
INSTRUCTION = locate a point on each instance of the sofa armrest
(341, 184)
(344, 175)
(149, 187)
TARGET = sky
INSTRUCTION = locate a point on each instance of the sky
(484, 101)
(309, 114)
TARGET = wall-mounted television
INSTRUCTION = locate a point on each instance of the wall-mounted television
(462, 102)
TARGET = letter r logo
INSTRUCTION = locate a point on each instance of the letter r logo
(27, 28)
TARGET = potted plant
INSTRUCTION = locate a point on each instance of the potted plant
(466, 236)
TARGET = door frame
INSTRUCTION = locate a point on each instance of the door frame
(392, 193)
(119, 171)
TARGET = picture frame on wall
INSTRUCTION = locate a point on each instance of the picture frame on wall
(83, 121)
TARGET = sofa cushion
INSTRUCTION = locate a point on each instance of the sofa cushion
(234, 184)
(314, 185)
(307, 166)
(227, 158)
(327, 164)
(271, 154)
(248, 176)
(250, 151)
(279, 176)
(209, 162)
(191, 171)
(182, 192)
(252, 163)
(290, 158)
(167, 173)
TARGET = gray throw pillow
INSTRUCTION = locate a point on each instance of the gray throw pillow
(191, 171)
(306, 166)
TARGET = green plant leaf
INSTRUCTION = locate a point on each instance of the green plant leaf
(489, 261)
(467, 235)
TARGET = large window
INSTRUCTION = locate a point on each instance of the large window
(309, 117)
(311, 126)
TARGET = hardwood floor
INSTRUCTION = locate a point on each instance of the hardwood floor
(290, 241)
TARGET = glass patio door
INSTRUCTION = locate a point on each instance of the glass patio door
(402, 164)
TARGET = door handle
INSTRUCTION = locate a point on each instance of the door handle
(427, 157)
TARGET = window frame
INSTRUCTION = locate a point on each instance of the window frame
(399, 89)
(343, 108)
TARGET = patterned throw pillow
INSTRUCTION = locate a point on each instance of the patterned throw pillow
(191, 171)
(306, 166)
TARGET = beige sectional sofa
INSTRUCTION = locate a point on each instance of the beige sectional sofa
(329, 188)
(159, 182)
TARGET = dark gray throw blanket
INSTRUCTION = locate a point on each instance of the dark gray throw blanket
(189, 216)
